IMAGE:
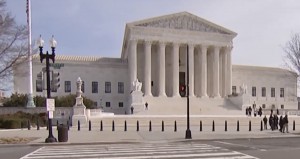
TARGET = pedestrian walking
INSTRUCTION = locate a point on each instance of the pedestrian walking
(271, 122)
(286, 124)
(260, 111)
(280, 124)
(265, 122)
(146, 106)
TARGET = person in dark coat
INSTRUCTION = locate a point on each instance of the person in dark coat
(265, 122)
(286, 124)
(260, 111)
(280, 123)
(277, 111)
(275, 122)
(271, 122)
(247, 111)
(250, 110)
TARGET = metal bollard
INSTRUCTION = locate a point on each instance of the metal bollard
(175, 126)
(225, 125)
(162, 126)
(37, 125)
(101, 126)
(113, 125)
(125, 126)
(28, 125)
(78, 125)
(150, 126)
(249, 125)
(137, 126)
(238, 126)
(90, 125)
(261, 125)
(213, 126)
(294, 125)
(200, 125)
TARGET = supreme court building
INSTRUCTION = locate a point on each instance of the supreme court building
(155, 52)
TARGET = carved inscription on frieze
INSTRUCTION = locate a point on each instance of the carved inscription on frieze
(184, 23)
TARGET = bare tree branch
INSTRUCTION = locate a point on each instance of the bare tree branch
(13, 45)
(292, 53)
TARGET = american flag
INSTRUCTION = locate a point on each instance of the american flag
(28, 10)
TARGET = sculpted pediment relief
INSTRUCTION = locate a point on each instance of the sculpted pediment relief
(183, 21)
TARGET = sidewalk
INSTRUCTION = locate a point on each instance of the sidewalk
(95, 136)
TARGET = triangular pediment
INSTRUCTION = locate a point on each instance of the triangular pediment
(183, 21)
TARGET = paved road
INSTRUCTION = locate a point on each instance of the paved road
(136, 151)
(268, 148)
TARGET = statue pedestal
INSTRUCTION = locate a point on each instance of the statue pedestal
(136, 101)
(79, 112)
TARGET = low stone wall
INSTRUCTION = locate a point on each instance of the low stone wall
(59, 111)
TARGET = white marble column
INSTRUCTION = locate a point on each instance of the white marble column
(229, 70)
(162, 69)
(203, 74)
(132, 60)
(216, 71)
(147, 73)
(175, 70)
(225, 74)
(191, 69)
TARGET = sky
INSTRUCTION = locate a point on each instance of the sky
(96, 27)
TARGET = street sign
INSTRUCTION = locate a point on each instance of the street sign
(50, 104)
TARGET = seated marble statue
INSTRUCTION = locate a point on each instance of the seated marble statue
(137, 86)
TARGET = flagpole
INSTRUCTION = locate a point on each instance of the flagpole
(30, 103)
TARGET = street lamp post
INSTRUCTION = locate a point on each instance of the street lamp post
(48, 56)
(188, 133)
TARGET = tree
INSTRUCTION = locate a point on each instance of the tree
(292, 53)
(13, 45)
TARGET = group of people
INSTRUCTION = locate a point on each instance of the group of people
(274, 123)
(255, 111)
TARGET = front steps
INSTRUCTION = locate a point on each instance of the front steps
(198, 106)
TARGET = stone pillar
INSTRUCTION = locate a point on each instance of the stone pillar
(147, 73)
(221, 78)
(225, 74)
(203, 74)
(132, 60)
(191, 69)
(162, 69)
(216, 71)
(175, 70)
(229, 70)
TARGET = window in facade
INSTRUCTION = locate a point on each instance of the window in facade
(272, 92)
(263, 91)
(94, 87)
(67, 86)
(253, 91)
(281, 92)
(273, 106)
(82, 87)
(39, 85)
(95, 104)
(120, 87)
(107, 87)
(282, 106)
(263, 106)
(107, 104)
(234, 90)
(120, 104)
